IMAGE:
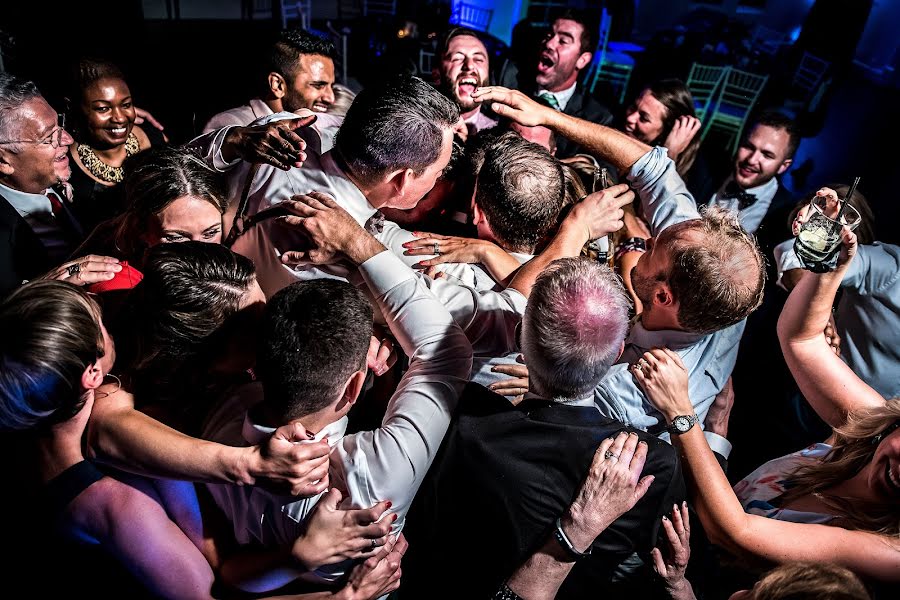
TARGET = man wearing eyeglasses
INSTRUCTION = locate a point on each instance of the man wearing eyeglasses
(37, 229)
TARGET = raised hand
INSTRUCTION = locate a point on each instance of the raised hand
(682, 133)
(514, 105)
(333, 535)
(671, 570)
(601, 213)
(142, 115)
(276, 143)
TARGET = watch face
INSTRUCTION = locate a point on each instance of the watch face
(682, 423)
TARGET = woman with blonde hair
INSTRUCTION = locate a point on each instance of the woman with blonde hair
(835, 502)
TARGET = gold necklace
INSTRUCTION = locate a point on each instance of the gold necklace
(100, 169)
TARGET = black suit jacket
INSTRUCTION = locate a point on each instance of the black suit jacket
(502, 477)
(22, 255)
(581, 104)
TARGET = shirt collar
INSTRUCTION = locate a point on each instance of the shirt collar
(585, 401)
(352, 200)
(256, 434)
(259, 108)
(662, 338)
(562, 96)
(27, 203)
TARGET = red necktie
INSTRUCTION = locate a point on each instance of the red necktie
(55, 204)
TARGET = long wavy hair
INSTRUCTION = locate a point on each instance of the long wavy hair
(854, 446)
(675, 96)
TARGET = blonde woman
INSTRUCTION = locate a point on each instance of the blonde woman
(836, 502)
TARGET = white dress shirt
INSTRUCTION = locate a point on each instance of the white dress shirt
(753, 215)
(388, 463)
(241, 115)
(38, 213)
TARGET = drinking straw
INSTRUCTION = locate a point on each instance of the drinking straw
(846, 200)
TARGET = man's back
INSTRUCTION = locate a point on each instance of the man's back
(502, 478)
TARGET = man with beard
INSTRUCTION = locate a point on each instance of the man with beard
(464, 68)
(566, 51)
(699, 278)
(299, 74)
(751, 187)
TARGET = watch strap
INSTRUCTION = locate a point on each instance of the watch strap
(693, 421)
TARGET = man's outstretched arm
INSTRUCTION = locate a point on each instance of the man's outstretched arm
(614, 146)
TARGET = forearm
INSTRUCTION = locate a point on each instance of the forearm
(498, 262)
(259, 571)
(567, 242)
(614, 146)
(721, 513)
(541, 575)
(808, 308)
(137, 443)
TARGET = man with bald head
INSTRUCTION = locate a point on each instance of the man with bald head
(509, 472)
(698, 277)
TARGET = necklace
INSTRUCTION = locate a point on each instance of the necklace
(100, 169)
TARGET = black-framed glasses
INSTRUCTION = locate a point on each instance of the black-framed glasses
(54, 138)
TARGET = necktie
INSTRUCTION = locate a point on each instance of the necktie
(65, 219)
(734, 191)
(550, 99)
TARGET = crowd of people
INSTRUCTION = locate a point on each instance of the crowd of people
(441, 337)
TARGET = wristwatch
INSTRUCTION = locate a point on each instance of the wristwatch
(563, 540)
(682, 424)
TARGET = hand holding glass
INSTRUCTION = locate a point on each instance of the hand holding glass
(819, 241)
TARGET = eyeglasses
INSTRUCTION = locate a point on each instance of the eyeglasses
(54, 138)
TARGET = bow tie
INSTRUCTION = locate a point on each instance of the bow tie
(734, 191)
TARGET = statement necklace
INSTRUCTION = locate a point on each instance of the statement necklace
(100, 169)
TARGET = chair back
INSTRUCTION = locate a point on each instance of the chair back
(339, 39)
(768, 41)
(739, 94)
(741, 91)
(703, 82)
(809, 74)
(296, 10)
(540, 11)
(591, 72)
(471, 16)
(426, 63)
(380, 7)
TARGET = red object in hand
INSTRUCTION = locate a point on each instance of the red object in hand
(125, 279)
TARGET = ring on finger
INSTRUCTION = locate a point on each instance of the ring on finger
(374, 544)
(73, 269)
(610, 455)
(437, 249)
(642, 363)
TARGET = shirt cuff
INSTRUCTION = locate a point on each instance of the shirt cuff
(718, 444)
(218, 162)
(385, 271)
(649, 166)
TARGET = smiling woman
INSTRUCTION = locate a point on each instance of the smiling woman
(172, 196)
(101, 116)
